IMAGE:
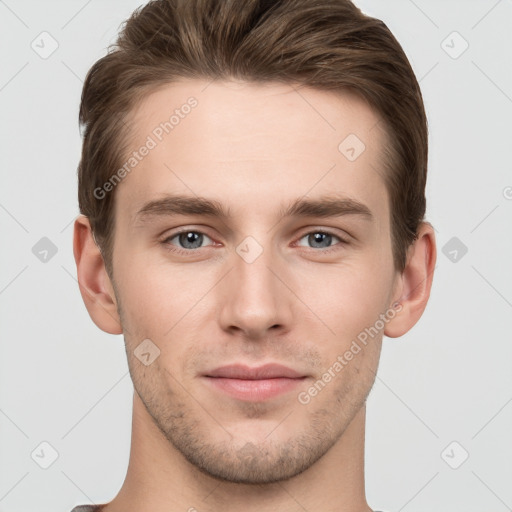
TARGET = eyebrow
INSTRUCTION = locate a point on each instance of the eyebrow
(322, 207)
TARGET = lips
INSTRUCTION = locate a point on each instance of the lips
(254, 384)
(268, 371)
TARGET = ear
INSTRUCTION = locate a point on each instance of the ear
(415, 283)
(95, 285)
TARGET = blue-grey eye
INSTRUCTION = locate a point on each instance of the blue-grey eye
(320, 239)
(189, 239)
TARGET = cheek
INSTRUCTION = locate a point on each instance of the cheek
(162, 305)
(152, 292)
(353, 303)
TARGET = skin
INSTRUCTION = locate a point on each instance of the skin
(254, 148)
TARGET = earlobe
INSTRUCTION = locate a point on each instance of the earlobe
(416, 280)
(93, 280)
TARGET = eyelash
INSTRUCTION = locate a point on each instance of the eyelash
(187, 252)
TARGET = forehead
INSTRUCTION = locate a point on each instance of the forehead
(246, 144)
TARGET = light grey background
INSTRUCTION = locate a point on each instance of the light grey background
(66, 383)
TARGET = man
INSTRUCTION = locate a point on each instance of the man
(252, 188)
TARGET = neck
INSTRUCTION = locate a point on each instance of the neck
(160, 479)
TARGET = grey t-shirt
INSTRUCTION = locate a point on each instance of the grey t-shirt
(87, 508)
(97, 508)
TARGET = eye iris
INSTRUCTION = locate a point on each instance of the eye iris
(192, 237)
(320, 237)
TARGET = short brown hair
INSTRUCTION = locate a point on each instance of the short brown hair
(326, 44)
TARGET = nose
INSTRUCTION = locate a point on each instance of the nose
(255, 298)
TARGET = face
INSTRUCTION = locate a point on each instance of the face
(287, 266)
